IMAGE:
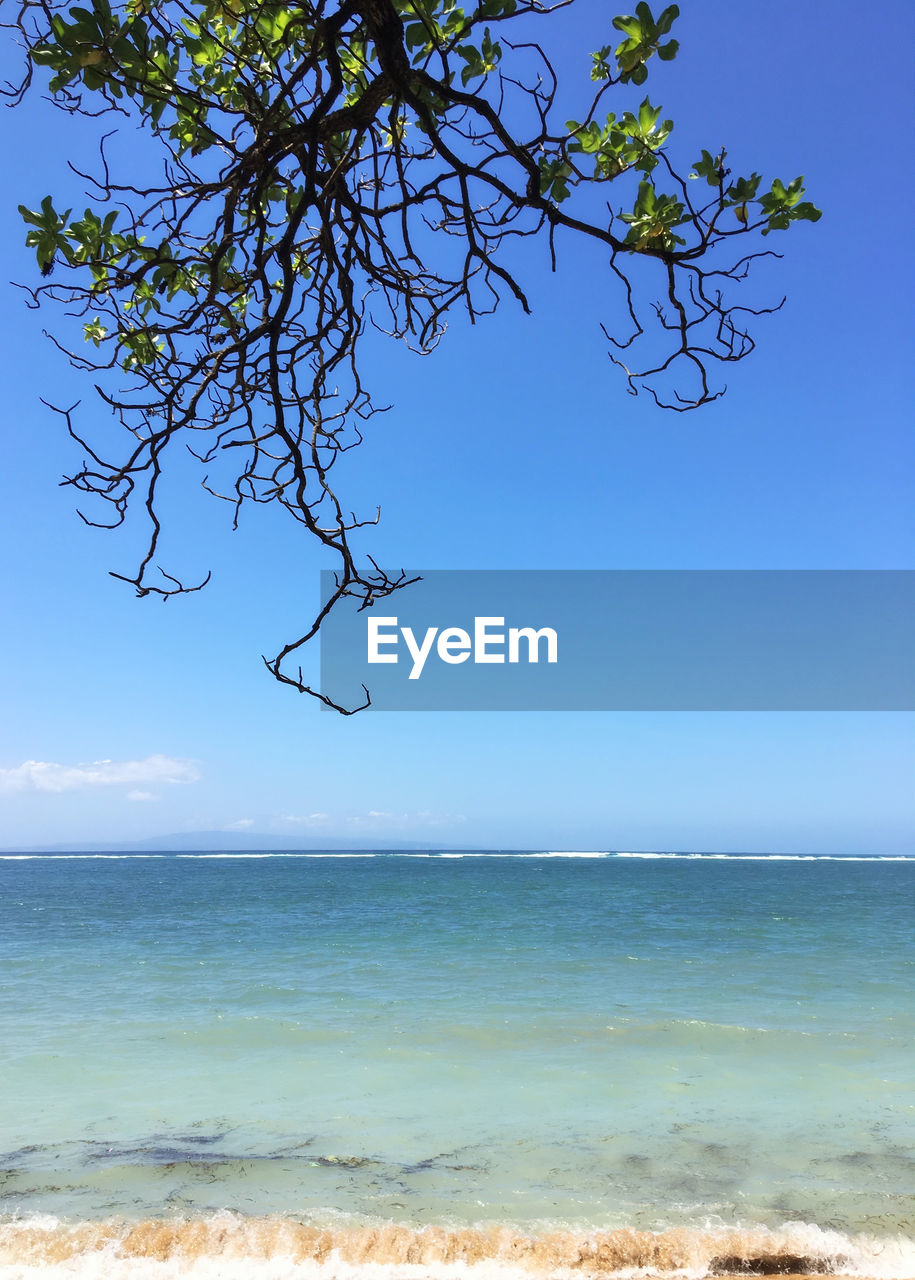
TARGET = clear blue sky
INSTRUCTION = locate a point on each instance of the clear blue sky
(514, 446)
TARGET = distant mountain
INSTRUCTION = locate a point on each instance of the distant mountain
(227, 842)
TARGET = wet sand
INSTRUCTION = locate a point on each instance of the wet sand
(227, 1244)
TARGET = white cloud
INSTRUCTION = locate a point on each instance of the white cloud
(383, 820)
(240, 824)
(42, 775)
(141, 796)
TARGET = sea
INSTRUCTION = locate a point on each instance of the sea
(396, 1065)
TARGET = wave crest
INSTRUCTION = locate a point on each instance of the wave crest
(225, 1245)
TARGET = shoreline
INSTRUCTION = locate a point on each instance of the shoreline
(228, 1246)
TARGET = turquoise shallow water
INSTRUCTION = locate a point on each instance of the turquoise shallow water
(537, 1041)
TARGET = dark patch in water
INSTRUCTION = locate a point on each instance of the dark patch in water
(444, 1160)
(197, 1139)
(345, 1162)
(22, 1158)
(637, 1161)
(166, 1155)
(292, 1148)
(188, 1153)
(433, 1165)
(10, 1157)
(776, 1264)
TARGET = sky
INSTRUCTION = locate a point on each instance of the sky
(514, 445)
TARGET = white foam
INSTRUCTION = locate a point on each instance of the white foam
(456, 854)
(570, 854)
(226, 1246)
(775, 857)
(891, 1261)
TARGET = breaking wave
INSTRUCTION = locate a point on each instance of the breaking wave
(226, 1246)
(776, 857)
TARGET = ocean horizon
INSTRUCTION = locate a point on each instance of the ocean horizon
(149, 850)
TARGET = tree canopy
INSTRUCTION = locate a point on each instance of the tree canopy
(333, 165)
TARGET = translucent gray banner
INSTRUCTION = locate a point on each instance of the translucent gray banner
(628, 640)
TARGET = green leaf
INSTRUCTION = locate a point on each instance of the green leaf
(94, 331)
(666, 20)
(744, 189)
(600, 66)
(807, 212)
(629, 26)
(709, 167)
(416, 35)
(648, 116)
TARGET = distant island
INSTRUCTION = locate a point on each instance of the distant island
(222, 842)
